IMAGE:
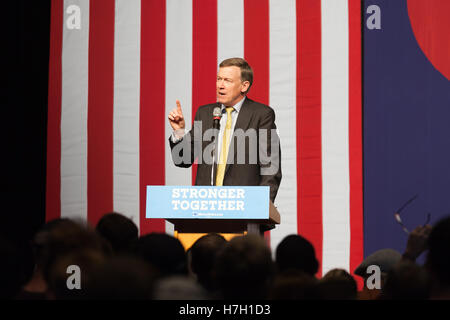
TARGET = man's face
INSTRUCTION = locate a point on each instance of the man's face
(230, 88)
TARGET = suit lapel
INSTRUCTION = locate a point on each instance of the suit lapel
(242, 122)
(244, 116)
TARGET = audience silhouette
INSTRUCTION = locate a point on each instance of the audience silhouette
(244, 268)
(202, 255)
(295, 252)
(116, 263)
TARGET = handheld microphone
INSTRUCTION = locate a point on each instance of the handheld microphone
(217, 114)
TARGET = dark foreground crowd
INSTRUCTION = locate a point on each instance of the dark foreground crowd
(71, 261)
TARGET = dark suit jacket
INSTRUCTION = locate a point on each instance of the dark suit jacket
(255, 169)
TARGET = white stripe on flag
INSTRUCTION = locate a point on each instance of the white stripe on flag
(335, 145)
(178, 77)
(283, 99)
(126, 108)
(178, 80)
(230, 29)
(74, 100)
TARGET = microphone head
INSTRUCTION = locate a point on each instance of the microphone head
(217, 113)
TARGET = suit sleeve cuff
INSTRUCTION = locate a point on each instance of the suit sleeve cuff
(177, 135)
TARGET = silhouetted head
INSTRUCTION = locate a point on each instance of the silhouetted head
(337, 284)
(121, 278)
(385, 259)
(293, 284)
(438, 259)
(203, 254)
(119, 230)
(295, 252)
(75, 268)
(244, 268)
(179, 288)
(164, 252)
(63, 236)
(406, 281)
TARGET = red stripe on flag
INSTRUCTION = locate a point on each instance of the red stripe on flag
(53, 186)
(256, 51)
(100, 110)
(152, 112)
(204, 57)
(256, 46)
(355, 136)
(309, 146)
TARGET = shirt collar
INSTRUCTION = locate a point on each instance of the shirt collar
(236, 107)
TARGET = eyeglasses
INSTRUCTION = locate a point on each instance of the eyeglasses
(399, 219)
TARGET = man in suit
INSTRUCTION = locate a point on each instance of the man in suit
(245, 151)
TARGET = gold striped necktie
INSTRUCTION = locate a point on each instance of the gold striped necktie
(224, 152)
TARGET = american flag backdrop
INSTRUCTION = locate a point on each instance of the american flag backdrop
(117, 67)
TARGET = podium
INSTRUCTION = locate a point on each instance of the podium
(190, 230)
(198, 210)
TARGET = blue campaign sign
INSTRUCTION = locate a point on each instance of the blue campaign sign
(207, 202)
